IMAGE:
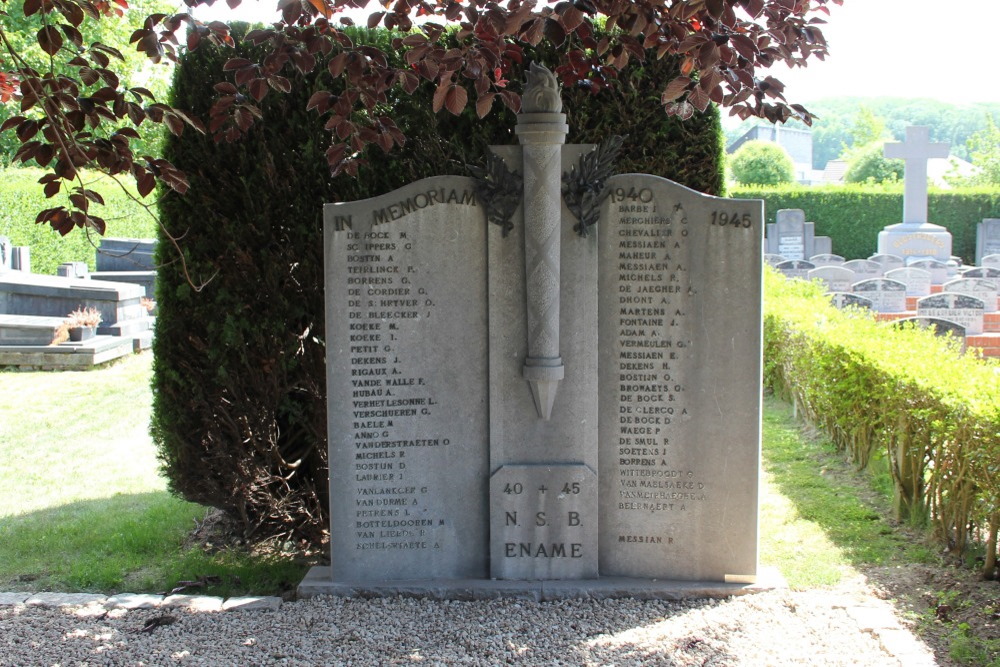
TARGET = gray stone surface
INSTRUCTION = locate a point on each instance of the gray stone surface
(20, 258)
(73, 270)
(796, 268)
(774, 259)
(679, 423)
(10, 599)
(917, 281)
(850, 300)
(822, 245)
(28, 330)
(888, 261)
(147, 279)
(64, 599)
(964, 310)
(54, 296)
(5, 254)
(827, 259)
(122, 254)
(407, 383)
(990, 260)
(836, 278)
(605, 588)
(193, 602)
(133, 601)
(981, 288)
(987, 238)
(937, 269)
(864, 269)
(988, 272)
(886, 295)
(250, 603)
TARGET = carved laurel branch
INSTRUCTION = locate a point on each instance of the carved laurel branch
(499, 190)
(584, 188)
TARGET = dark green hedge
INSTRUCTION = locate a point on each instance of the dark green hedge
(239, 407)
(854, 215)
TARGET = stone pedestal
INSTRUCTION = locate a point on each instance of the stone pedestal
(916, 240)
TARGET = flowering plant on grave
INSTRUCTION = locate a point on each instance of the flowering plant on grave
(83, 317)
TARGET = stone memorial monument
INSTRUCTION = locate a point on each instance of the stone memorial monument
(525, 386)
(793, 238)
(915, 236)
(885, 295)
(958, 308)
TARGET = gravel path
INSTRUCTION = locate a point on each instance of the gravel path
(842, 626)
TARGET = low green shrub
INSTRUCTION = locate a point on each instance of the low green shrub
(905, 394)
(21, 198)
(853, 215)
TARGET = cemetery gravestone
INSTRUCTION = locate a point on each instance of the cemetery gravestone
(917, 281)
(836, 278)
(822, 245)
(790, 236)
(73, 270)
(886, 295)
(981, 288)
(988, 272)
(888, 262)
(939, 326)
(961, 309)
(938, 270)
(826, 259)
(864, 269)
(544, 477)
(915, 236)
(773, 259)
(990, 260)
(795, 268)
(121, 254)
(850, 300)
(987, 238)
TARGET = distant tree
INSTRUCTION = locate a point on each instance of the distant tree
(868, 128)
(762, 163)
(868, 164)
(984, 148)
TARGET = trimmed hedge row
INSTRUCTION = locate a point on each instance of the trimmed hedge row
(239, 403)
(853, 215)
(904, 394)
(21, 198)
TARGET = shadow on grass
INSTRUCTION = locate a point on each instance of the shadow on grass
(827, 491)
(128, 543)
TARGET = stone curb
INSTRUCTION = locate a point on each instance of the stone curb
(200, 603)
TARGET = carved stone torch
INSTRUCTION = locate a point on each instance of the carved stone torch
(541, 130)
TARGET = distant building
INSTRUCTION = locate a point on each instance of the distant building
(797, 142)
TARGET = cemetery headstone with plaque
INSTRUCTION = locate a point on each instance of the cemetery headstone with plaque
(915, 236)
(886, 295)
(959, 308)
(836, 278)
(773, 259)
(888, 262)
(850, 300)
(827, 259)
(987, 272)
(917, 281)
(937, 269)
(939, 326)
(981, 288)
(471, 451)
(795, 268)
(987, 238)
(990, 260)
(864, 269)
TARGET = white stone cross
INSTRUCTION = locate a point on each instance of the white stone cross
(915, 151)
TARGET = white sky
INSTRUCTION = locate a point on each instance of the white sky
(939, 49)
